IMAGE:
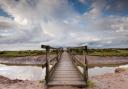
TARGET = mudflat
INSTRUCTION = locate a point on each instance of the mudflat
(96, 60)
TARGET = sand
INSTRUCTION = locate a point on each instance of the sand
(6, 83)
(106, 81)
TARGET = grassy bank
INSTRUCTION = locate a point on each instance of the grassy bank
(21, 53)
(104, 52)
(108, 52)
(107, 64)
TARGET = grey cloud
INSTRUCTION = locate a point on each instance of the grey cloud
(56, 24)
(111, 6)
(6, 23)
(118, 6)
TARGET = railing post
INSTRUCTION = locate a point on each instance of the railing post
(86, 62)
(47, 65)
(57, 53)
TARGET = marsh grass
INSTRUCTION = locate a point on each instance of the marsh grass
(90, 84)
(20, 53)
(107, 65)
(108, 52)
(104, 52)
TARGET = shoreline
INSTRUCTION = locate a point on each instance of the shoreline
(105, 81)
(111, 81)
(117, 80)
(40, 60)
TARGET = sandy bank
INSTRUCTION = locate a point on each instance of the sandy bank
(106, 81)
(6, 83)
(111, 81)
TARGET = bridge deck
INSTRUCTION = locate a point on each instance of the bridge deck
(66, 73)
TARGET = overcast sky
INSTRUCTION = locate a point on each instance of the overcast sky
(26, 24)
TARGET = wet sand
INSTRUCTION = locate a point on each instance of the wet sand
(25, 60)
(96, 60)
(93, 60)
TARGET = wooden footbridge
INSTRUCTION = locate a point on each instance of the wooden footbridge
(64, 69)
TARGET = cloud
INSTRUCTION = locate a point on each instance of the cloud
(57, 23)
(117, 7)
(6, 23)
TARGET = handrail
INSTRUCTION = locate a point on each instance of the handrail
(54, 65)
(77, 62)
(49, 71)
(44, 63)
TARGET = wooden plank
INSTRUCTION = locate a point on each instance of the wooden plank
(66, 74)
(73, 83)
(66, 79)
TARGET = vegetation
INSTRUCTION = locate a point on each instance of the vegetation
(21, 53)
(90, 84)
(108, 52)
(104, 52)
(107, 64)
(92, 52)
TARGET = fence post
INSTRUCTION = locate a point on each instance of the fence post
(47, 65)
(86, 62)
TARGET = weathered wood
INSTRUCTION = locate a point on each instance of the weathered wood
(47, 66)
(54, 61)
(58, 56)
(77, 62)
(86, 62)
(67, 83)
(66, 74)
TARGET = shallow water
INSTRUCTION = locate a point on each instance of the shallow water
(37, 73)
(102, 70)
(22, 72)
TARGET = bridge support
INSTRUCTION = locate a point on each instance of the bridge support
(47, 62)
(86, 67)
(47, 66)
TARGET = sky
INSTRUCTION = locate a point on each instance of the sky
(26, 24)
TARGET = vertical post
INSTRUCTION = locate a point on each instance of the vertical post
(57, 54)
(47, 65)
(86, 62)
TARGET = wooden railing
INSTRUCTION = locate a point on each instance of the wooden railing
(77, 62)
(51, 64)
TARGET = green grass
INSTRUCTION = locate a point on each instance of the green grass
(104, 52)
(109, 52)
(90, 84)
(10, 64)
(107, 65)
(20, 53)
